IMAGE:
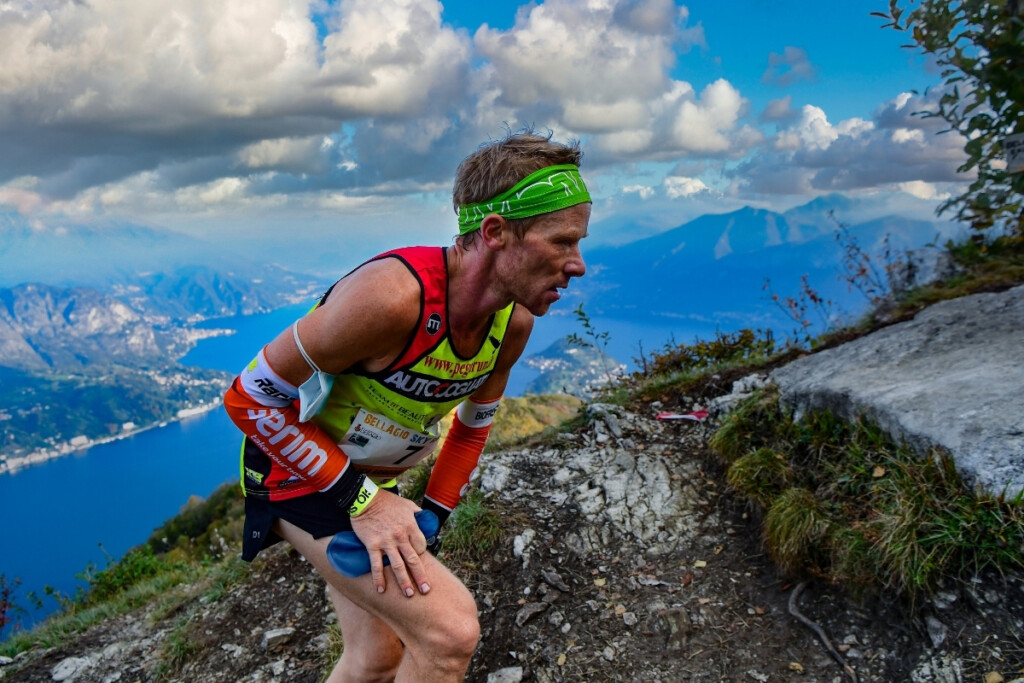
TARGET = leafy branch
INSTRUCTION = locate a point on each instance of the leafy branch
(977, 45)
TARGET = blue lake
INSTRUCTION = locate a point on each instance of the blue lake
(96, 504)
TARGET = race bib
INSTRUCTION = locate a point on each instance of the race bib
(375, 443)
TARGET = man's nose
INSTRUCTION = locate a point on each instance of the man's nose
(576, 267)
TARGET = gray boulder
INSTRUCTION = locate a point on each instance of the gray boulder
(951, 378)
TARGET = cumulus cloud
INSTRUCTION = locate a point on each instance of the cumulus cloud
(811, 131)
(602, 69)
(206, 105)
(922, 190)
(779, 110)
(894, 149)
(298, 155)
(111, 88)
(679, 186)
(584, 54)
(643, 191)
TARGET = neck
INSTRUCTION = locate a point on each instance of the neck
(472, 297)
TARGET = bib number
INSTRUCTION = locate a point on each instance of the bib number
(374, 440)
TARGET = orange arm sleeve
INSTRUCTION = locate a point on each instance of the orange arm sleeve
(461, 453)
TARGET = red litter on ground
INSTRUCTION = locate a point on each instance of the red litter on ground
(696, 416)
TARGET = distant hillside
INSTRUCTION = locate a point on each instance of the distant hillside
(51, 328)
(713, 269)
(80, 364)
(47, 412)
(195, 292)
(573, 369)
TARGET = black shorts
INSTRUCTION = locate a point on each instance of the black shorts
(316, 513)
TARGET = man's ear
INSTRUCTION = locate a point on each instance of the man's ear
(494, 232)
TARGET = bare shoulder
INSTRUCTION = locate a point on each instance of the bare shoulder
(366, 319)
(520, 325)
(518, 333)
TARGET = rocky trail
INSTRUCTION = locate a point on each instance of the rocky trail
(624, 559)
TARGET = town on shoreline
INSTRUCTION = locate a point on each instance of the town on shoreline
(13, 464)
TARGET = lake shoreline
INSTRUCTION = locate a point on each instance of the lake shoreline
(13, 465)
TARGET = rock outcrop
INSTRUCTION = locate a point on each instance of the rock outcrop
(950, 378)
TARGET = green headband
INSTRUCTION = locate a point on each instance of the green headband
(549, 189)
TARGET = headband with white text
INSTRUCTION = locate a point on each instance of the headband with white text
(549, 189)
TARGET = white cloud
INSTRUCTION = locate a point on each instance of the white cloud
(114, 88)
(602, 68)
(303, 155)
(643, 191)
(703, 125)
(901, 135)
(679, 186)
(391, 57)
(922, 190)
(214, 105)
(895, 147)
(586, 51)
(813, 129)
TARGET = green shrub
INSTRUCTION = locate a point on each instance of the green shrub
(137, 565)
(844, 501)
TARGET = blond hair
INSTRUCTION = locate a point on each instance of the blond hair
(498, 165)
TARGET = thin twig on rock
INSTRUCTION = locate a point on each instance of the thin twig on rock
(794, 609)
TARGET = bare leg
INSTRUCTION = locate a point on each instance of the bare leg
(372, 650)
(439, 630)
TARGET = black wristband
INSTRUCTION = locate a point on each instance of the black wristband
(442, 516)
(346, 489)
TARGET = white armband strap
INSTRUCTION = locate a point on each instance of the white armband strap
(478, 415)
(265, 386)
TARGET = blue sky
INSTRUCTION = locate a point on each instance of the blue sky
(244, 120)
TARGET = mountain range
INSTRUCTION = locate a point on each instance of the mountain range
(715, 268)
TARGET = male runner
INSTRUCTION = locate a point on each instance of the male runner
(350, 396)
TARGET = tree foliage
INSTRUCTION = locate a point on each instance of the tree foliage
(979, 45)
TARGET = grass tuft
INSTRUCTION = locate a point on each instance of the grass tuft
(472, 530)
(844, 501)
(794, 527)
(760, 475)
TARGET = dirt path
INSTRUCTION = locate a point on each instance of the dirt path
(632, 564)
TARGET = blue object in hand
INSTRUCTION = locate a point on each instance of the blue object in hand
(348, 555)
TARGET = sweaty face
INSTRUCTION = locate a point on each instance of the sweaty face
(547, 257)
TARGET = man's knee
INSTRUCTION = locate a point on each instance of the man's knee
(455, 635)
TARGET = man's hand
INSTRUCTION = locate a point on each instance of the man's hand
(388, 527)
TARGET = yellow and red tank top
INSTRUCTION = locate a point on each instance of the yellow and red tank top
(386, 421)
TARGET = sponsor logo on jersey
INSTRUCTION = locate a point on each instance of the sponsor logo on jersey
(358, 440)
(425, 388)
(305, 454)
(254, 475)
(455, 368)
(434, 323)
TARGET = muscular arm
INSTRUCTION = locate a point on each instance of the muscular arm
(472, 423)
